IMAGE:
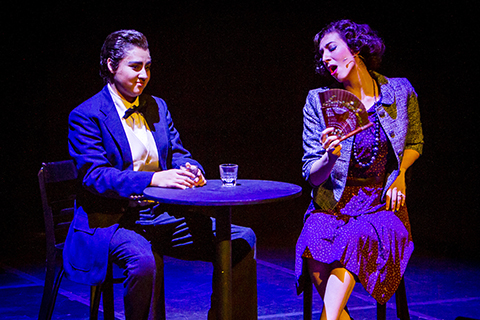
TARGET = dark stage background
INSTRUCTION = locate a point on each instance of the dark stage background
(235, 78)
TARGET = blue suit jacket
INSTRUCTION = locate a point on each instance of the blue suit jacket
(100, 149)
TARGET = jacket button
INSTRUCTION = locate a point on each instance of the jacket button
(392, 134)
(382, 114)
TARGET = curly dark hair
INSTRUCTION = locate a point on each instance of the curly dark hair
(116, 46)
(360, 38)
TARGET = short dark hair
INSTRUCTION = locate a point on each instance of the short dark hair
(360, 38)
(115, 48)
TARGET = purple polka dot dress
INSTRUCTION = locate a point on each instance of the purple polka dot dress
(371, 242)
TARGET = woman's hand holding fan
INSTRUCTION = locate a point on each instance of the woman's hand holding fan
(330, 142)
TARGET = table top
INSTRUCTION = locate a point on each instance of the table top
(246, 192)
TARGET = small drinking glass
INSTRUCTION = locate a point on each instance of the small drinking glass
(228, 174)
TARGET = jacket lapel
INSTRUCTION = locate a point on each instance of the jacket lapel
(388, 96)
(114, 126)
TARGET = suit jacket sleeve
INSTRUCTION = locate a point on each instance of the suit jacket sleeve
(99, 160)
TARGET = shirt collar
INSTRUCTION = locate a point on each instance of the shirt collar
(120, 103)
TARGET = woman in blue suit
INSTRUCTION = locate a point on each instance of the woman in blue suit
(123, 141)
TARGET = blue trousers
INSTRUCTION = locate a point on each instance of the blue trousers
(139, 245)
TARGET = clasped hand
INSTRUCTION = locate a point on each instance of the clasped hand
(185, 177)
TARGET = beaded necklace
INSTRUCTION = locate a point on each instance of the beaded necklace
(376, 125)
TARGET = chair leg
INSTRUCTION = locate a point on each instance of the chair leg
(107, 291)
(401, 302)
(161, 270)
(50, 290)
(307, 299)
(108, 302)
(45, 306)
(104, 291)
(381, 311)
(95, 294)
(58, 280)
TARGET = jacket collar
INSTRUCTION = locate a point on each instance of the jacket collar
(386, 88)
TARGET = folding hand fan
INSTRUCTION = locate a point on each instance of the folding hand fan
(343, 111)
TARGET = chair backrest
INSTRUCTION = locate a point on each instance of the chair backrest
(58, 182)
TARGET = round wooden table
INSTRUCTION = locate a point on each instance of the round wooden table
(213, 194)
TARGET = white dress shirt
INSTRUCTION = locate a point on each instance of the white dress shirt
(142, 145)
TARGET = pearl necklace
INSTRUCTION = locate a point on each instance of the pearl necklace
(375, 148)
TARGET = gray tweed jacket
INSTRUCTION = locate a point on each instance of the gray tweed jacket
(399, 117)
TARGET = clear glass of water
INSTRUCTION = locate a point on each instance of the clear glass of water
(228, 174)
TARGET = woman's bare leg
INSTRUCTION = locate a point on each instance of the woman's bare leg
(339, 287)
(334, 286)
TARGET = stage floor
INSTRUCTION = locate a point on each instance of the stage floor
(436, 289)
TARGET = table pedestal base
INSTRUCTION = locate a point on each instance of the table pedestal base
(224, 263)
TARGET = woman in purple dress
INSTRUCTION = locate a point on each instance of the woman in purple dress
(356, 227)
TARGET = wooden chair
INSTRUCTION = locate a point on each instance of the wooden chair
(57, 187)
(400, 301)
